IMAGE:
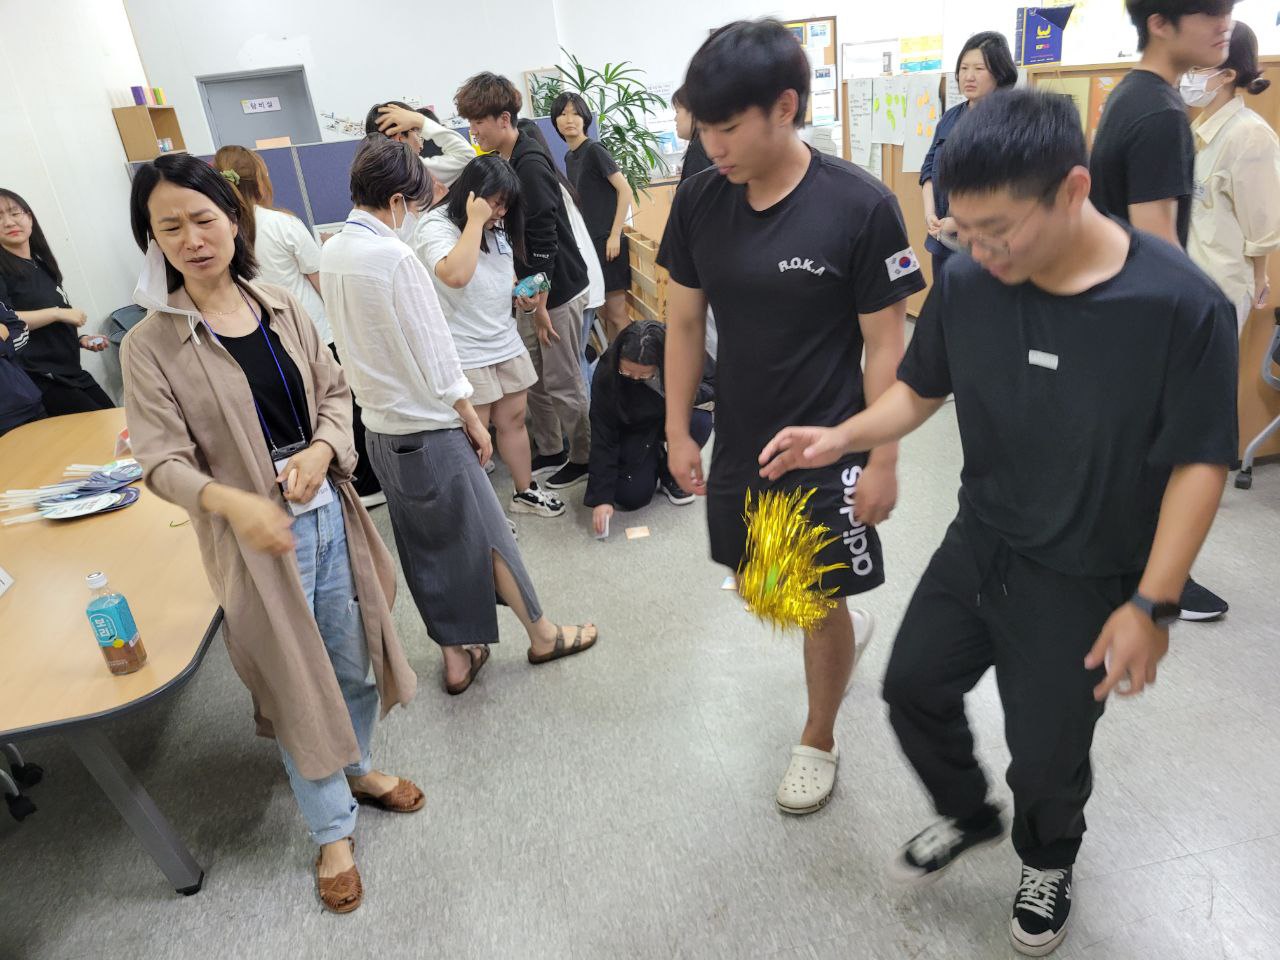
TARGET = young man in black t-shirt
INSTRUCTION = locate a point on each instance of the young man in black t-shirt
(1093, 368)
(1143, 160)
(551, 322)
(805, 260)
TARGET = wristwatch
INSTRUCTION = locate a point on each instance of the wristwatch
(1162, 614)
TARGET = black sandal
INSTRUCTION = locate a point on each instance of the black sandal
(476, 664)
(560, 650)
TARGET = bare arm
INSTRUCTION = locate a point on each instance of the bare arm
(459, 265)
(625, 196)
(683, 367)
(35, 319)
(314, 280)
(1157, 216)
(930, 213)
(1186, 514)
(882, 332)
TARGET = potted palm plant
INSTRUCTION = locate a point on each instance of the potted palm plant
(621, 102)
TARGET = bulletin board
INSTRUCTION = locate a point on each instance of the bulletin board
(1258, 403)
(819, 32)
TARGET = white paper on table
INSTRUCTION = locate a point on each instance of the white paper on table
(6, 580)
(888, 109)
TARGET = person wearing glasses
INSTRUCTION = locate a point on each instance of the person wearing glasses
(984, 66)
(1093, 369)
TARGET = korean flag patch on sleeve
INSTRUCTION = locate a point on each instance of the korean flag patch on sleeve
(902, 263)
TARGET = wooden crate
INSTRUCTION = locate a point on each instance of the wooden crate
(647, 298)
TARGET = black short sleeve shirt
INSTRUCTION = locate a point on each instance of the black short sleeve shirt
(54, 349)
(1144, 150)
(787, 285)
(589, 169)
(1073, 410)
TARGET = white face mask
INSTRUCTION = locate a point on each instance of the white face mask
(404, 230)
(152, 291)
(1194, 88)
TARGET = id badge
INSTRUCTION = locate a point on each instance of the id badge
(323, 496)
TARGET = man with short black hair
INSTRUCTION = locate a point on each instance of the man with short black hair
(1143, 159)
(1093, 368)
(550, 322)
(805, 260)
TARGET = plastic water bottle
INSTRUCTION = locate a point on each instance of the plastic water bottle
(114, 627)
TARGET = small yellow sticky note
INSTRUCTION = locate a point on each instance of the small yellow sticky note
(933, 113)
(919, 129)
(637, 533)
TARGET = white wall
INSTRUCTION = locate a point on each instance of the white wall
(65, 64)
(355, 54)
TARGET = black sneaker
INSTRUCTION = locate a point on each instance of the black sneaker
(550, 463)
(537, 501)
(1200, 604)
(936, 847)
(1040, 911)
(674, 492)
(570, 475)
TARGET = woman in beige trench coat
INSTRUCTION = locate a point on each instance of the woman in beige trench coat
(238, 413)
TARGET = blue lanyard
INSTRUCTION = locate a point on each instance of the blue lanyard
(357, 223)
(293, 408)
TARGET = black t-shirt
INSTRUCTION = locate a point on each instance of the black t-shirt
(283, 410)
(695, 159)
(54, 349)
(787, 285)
(1074, 409)
(1144, 150)
(589, 169)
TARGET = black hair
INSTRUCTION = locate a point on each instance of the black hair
(525, 125)
(1026, 141)
(680, 98)
(487, 176)
(382, 168)
(1243, 59)
(995, 53)
(643, 342)
(41, 252)
(373, 116)
(184, 170)
(579, 107)
(429, 114)
(748, 63)
(1140, 11)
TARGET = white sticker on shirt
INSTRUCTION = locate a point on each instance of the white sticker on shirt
(1199, 190)
(1038, 358)
(902, 263)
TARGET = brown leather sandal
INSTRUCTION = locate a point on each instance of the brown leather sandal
(476, 664)
(404, 797)
(560, 650)
(343, 893)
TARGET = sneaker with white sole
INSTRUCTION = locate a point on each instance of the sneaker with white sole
(537, 501)
(1040, 911)
(931, 851)
(515, 535)
(674, 492)
(806, 786)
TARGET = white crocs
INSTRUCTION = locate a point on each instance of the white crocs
(806, 787)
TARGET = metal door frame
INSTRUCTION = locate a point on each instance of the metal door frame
(249, 75)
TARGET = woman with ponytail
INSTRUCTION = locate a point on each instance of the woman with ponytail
(1235, 214)
(240, 415)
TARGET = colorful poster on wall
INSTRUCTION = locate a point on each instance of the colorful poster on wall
(924, 107)
(921, 54)
(1038, 34)
(1099, 90)
(888, 109)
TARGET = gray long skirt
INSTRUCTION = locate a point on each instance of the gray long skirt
(448, 524)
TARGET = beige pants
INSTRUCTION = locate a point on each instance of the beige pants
(558, 404)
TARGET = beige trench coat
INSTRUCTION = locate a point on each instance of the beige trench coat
(192, 420)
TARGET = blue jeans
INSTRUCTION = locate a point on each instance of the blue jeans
(588, 321)
(327, 805)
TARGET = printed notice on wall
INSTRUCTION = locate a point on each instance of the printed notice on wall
(260, 105)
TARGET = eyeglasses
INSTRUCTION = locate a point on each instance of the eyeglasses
(14, 213)
(996, 246)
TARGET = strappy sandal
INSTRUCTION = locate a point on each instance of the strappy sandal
(476, 663)
(560, 650)
(343, 893)
(405, 797)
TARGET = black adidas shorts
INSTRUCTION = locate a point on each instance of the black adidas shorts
(856, 546)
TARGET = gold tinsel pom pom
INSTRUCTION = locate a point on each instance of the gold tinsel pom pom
(779, 577)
